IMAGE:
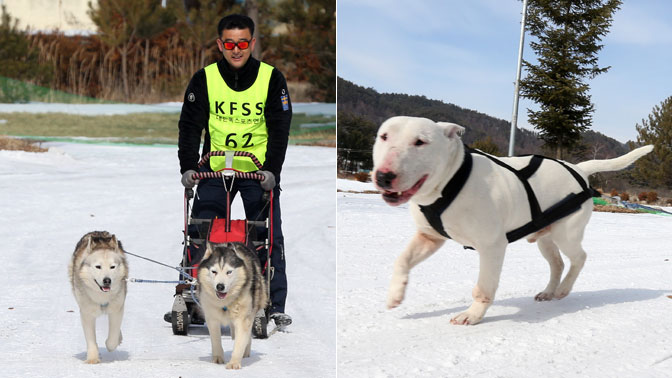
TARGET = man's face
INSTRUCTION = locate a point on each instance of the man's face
(236, 57)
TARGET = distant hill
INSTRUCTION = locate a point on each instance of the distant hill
(357, 101)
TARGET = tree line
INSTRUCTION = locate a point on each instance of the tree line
(362, 110)
(144, 52)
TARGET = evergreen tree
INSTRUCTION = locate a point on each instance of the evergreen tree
(355, 141)
(118, 22)
(156, 21)
(655, 169)
(18, 60)
(567, 39)
(309, 42)
(487, 145)
(198, 20)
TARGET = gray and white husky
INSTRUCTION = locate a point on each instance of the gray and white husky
(98, 273)
(231, 290)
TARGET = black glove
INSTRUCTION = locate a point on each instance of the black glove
(187, 180)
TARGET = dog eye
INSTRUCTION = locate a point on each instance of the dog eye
(383, 136)
(214, 272)
(98, 266)
(229, 272)
(112, 267)
(419, 142)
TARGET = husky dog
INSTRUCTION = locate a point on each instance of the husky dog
(231, 290)
(416, 159)
(98, 273)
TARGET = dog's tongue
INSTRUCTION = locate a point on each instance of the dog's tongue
(221, 295)
(105, 288)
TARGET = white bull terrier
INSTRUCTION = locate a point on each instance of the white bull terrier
(414, 160)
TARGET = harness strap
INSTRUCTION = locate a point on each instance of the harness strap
(566, 206)
(450, 191)
(523, 175)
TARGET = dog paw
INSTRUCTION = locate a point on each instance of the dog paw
(113, 342)
(395, 296)
(393, 302)
(561, 294)
(543, 296)
(466, 318)
(218, 359)
(92, 360)
(233, 365)
(111, 345)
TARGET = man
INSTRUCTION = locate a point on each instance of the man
(243, 105)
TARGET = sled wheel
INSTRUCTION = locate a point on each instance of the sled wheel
(180, 316)
(260, 325)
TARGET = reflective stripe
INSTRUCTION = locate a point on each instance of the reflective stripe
(237, 121)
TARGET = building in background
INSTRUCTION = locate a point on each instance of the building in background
(68, 16)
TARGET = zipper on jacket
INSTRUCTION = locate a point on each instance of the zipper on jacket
(235, 83)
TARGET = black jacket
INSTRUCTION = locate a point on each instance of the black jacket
(195, 114)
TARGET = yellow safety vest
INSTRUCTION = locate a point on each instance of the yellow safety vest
(237, 121)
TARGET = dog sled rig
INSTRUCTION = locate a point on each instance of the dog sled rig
(186, 308)
(540, 219)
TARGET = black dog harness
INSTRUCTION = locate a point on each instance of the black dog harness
(540, 219)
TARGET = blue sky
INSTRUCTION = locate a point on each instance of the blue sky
(465, 53)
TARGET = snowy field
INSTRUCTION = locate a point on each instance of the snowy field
(616, 323)
(50, 200)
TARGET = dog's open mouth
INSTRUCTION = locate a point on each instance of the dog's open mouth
(220, 294)
(104, 288)
(397, 198)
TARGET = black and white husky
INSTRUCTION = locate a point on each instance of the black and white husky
(98, 273)
(231, 290)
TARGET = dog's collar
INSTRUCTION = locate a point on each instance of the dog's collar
(104, 305)
(450, 191)
(224, 308)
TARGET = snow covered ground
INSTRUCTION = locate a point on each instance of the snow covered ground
(616, 322)
(50, 200)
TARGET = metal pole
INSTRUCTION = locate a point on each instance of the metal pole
(514, 117)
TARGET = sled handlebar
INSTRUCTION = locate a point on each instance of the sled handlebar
(207, 157)
(236, 174)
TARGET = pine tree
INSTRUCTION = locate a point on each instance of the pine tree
(655, 169)
(309, 43)
(156, 21)
(198, 25)
(567, 39)
(487, 145)
(18, 60)
(118, 22)
(355, 141)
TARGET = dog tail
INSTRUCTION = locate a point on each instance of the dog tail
(615, 164)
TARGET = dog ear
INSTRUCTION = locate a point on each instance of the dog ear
(238, 249)
(88, 244)
(451, 130)
(116, 244)
(208, 250)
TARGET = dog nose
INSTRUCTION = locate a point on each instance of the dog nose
(107, 281)
(384, 179)
(220, 287)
